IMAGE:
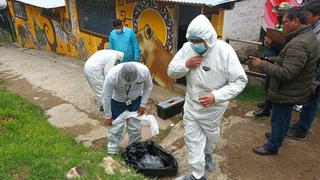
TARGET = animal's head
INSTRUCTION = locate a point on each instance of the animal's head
(148, 42)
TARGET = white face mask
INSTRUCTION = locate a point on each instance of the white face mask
(119, 30)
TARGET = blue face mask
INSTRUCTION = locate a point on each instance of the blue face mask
(199, 48)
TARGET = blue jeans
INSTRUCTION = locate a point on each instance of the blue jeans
(308, 113)
(280, 122)
(118, 108)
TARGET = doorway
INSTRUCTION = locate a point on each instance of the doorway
(186, 14)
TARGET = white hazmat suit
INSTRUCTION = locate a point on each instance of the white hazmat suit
(114, 88)
(97, 67)
(223, 76)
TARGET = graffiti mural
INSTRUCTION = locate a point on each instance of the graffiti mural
(30, 36)
(145, 5)
(157, 58)
(155, 32)
(23, 36)
(40, 35)
(59, 34)
(79, 44)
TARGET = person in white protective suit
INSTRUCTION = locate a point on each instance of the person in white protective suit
(127, 87)
(96, 68)
(214, 76)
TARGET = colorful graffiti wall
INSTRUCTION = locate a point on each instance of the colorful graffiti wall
(59, 34)
(153, 23)
(154, 26)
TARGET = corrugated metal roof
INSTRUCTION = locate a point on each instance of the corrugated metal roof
(44, 3)
(199, 2)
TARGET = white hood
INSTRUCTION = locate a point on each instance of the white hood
(205, 31)
(3, 4)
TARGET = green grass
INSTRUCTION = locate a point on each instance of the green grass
(255, 93)
(30, 148)
(252, 93)
(2, 81)
(162, 135)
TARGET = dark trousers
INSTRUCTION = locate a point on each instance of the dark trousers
(118, 108)
(280, 122)
(308, 113)
(267, 103)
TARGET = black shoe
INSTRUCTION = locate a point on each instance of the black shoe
(101, 108)
(261, 105)
(209, 162)
(292, 133)
(263, 151)
(261, 113)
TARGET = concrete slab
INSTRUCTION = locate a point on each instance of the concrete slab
(97, 132)
(66, 115)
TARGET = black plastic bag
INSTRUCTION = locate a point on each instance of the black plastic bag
(139, 154)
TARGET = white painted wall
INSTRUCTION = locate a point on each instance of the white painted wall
(243, 22)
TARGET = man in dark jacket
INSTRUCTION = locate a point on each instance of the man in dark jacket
(291, 76)
(300, 130)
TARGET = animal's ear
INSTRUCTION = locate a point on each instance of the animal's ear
(148, 31)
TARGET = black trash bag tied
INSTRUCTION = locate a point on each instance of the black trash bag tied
(139, 155)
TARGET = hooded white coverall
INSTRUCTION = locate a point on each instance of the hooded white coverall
(97, 66)
(114, 88)
(225, 79)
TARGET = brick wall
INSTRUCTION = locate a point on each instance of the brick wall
(244, 22)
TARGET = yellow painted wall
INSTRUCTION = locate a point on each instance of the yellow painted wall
(61, 36)
(217, 22)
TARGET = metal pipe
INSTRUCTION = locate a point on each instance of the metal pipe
(244, 41)
(256, 74)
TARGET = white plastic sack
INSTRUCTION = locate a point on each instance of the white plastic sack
(146, 120)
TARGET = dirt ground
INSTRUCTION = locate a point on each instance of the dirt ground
(296, 159)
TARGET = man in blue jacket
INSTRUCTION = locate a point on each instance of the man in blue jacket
(123, 39)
